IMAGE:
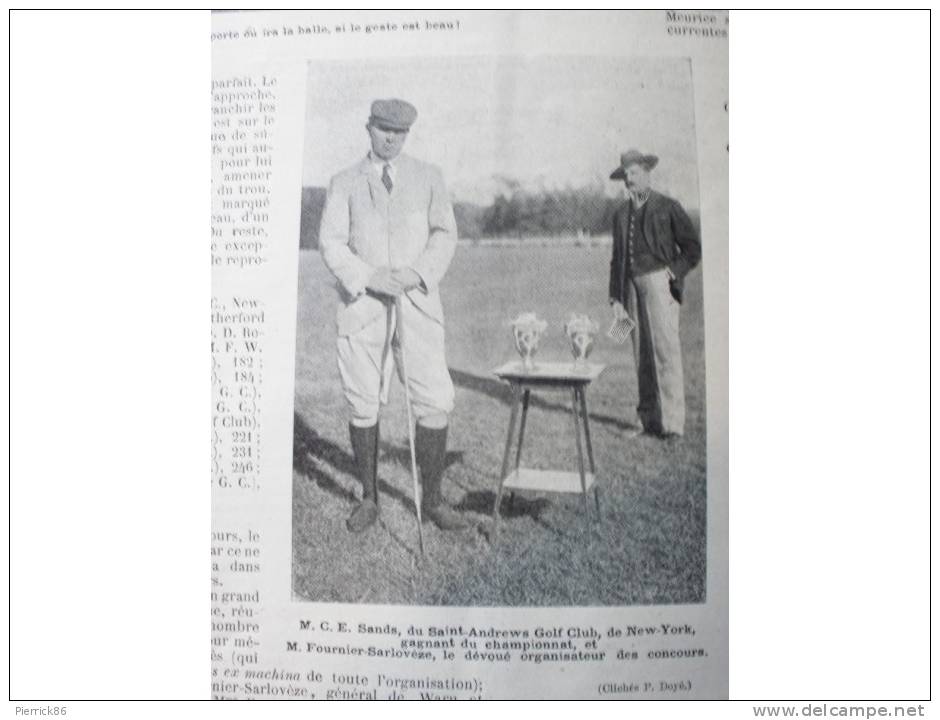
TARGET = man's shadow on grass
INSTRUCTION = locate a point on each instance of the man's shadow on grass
(310, 447)
(499, 390)
(401, 455)
(312, 451)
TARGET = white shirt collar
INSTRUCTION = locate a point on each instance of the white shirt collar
(638, 200)
(378, 163)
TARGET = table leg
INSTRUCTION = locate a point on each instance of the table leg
(575, 410)
(590, 449)
(525, 414)
(502, 476)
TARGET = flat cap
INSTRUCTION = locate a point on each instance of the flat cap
(392, 114)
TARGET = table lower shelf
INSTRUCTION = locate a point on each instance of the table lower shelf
(556, 481)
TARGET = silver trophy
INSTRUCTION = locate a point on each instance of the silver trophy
(581, 330)
(527, 330)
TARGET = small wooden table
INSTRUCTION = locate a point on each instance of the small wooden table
(548, 376)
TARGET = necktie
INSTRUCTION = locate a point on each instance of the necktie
(386, 177)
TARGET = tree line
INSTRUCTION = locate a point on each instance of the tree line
(516, 213)
(538, 214)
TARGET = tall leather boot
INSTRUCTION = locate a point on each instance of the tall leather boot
(365, 445)
(431, 454)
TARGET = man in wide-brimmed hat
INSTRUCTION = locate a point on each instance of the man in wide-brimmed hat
(387, 232)
(655, 247)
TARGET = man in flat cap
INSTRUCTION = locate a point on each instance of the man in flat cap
(655, 246)
(387, 232)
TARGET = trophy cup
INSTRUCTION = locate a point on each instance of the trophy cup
(581, 330)
(527, 330)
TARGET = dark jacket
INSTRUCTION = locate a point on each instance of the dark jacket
(672, 239)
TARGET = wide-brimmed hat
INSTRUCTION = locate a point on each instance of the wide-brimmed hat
(633, 157)
(392, 114)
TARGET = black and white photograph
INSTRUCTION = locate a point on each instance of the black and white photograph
(500, 380)
(540, 349)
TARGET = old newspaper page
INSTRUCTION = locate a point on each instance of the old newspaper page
(469, 355)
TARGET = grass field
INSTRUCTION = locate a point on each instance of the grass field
(648, 548)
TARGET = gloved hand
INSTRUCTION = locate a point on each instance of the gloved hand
(407, 278)
(384, 284)
(676, 288)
